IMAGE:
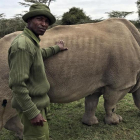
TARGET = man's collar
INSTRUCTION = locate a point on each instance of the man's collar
(31, 34)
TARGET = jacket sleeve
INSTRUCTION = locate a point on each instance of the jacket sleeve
(20, 63)
(47, 52)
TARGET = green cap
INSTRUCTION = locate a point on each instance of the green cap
(39, 9)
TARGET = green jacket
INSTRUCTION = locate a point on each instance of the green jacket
(27, 78)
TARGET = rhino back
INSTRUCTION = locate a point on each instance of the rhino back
(99, 55)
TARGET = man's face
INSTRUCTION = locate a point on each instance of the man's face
(38, 25)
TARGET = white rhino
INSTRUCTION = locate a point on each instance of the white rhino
(103, 59)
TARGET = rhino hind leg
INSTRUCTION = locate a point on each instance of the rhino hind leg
(91, 102)
(111, 97)
(15, 125)
(136, 97)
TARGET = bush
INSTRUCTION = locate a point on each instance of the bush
(75, 16)
(136, 23)
(8, 26)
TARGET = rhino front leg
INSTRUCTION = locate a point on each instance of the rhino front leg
(15, 125)
(111, 97)
(91, 103)
(136, 97)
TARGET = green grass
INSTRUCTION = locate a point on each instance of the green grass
(66, 123)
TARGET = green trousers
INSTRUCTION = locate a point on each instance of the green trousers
(32, 132)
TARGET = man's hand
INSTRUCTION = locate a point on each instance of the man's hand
(61, 45)
(38, 120)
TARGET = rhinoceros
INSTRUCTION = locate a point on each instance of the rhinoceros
(102, 59)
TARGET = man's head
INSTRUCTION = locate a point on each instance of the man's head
(39, 18)
(38, 24)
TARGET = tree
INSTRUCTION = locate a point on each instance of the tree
(138, 6)
(49, 1)
(29, 2)
(118, 14)
(11, 25)
(75, 16)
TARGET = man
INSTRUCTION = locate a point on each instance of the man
(27, 78)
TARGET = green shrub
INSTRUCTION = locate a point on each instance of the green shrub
(75, 16)
(8, 26)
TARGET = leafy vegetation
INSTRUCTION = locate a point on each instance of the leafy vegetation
(27, 3)
(8, 26)
(75, 16)
(66, 123)
(118, 14)
(138, 6)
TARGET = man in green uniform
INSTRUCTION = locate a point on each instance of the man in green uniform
(27, 78)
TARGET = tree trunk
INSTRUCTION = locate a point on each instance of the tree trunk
(49, 3)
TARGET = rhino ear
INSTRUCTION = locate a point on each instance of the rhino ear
(4, 103)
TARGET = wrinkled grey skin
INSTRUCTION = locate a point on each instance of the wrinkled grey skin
(103, 59)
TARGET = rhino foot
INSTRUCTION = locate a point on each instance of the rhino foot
(14, 124)
(113, 119)
(89, 120)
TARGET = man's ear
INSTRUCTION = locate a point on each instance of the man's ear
(29, 20)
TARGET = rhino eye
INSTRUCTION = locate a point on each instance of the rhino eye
(4, 103)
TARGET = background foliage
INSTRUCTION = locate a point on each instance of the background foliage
(27, 3)
(11, 25)
(73, 16)
(118, 14)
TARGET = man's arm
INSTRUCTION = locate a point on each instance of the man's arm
(20, 63)
(59, 46)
